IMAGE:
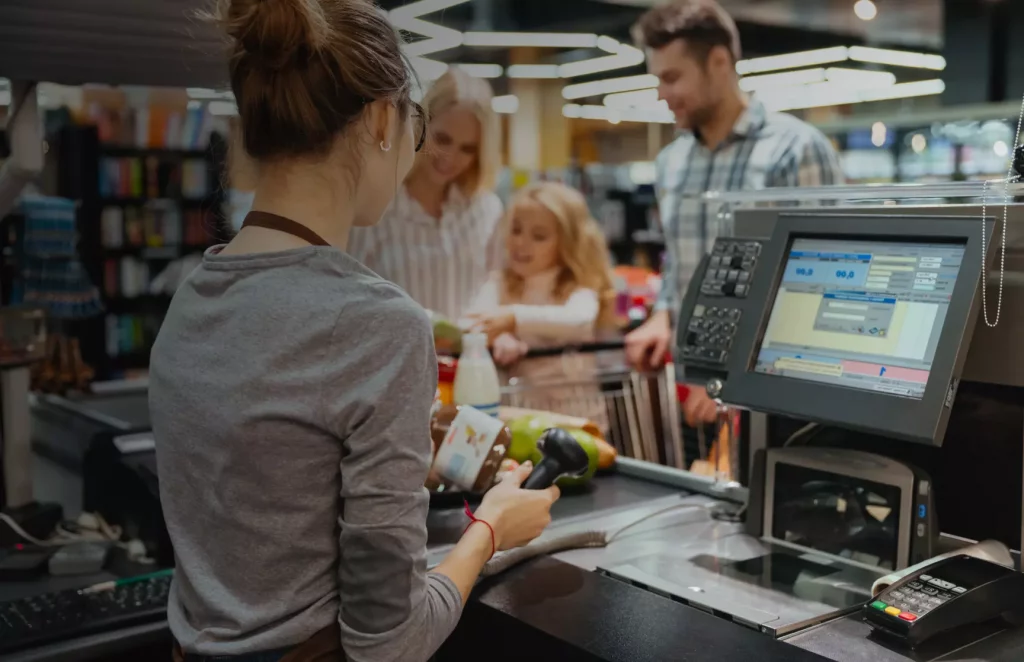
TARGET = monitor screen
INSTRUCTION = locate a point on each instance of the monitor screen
(861, 314)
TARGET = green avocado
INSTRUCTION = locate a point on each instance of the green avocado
(526, 430)
(589, 444)
(447, 335)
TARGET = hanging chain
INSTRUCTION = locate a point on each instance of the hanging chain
(1010, 177)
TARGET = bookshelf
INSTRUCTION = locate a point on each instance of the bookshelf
(145, 213)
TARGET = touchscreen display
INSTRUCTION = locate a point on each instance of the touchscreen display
(861, 314)
(848, 517)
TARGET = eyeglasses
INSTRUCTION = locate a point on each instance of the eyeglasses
(419, 118)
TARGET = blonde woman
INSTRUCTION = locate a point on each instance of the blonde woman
(555, 290)
(438, 241)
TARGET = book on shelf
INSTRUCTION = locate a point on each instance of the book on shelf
(155, 224)
(153, 127)
(152, 177)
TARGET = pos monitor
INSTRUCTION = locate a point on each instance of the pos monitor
(865, 322)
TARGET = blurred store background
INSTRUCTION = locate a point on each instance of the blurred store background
(137, 115)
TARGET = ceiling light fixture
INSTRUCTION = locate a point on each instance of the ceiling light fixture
(860, 77)
(793, 60)
(483, 70)
(627, 56)
(439, 38)
(865, 10)
(532, 71)
(839, 94)
(608, 44)
(529, 39)
(428, 70)
(918, 143)
(616, 115)
(609, 86)
(801, 77)
(505, 105)
(422, 7)
(637, 99)
(897, 58)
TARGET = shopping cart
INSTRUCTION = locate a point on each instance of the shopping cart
(638, 412)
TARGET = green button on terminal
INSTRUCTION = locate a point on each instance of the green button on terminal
(880, 606)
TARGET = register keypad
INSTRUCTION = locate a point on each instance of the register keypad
(915, 599)
(711, 333)
(731, 268)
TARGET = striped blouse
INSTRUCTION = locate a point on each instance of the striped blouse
(441, 263)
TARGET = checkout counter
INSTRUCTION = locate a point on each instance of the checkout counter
(886, 412)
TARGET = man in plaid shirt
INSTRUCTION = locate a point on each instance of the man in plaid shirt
(728, 142)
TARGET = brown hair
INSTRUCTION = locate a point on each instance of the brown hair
(701, 24)
(303, 70)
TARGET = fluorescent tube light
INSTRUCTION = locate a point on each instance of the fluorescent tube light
(532, 71)
(801, 77)
(482, 70)
(637, 99)
(793, 60)
(616, 115)
(610, 86)
(530, 39)
(427, 69)
(505, 105)
(609, 44)
(439, 38)
(897, 58)
(223, 108)
(628, 56)
(837, 94)
(860, 77)
(422, 7)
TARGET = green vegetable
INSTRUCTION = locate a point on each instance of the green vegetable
(589, 444)
(447, 335)
(526, 430)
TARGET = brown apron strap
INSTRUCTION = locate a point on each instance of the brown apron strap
(324, 646)
(262, 219)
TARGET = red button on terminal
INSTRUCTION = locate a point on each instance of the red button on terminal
(907, 616)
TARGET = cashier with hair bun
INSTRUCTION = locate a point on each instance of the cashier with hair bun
(290, 386)
(440, 241)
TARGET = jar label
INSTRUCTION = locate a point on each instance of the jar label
(470, 440)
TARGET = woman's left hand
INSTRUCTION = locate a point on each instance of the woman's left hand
(495, 323)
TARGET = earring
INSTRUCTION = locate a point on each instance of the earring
(383, 148)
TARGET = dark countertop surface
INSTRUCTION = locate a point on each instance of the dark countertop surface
(546, 607)
(563, 612)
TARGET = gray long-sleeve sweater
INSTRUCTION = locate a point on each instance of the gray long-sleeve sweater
(290, 397)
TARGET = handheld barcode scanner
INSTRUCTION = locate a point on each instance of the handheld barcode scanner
(563, 456)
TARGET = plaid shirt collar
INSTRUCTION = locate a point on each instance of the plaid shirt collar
(750, 121)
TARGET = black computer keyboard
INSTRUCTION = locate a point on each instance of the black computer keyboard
(52, 617)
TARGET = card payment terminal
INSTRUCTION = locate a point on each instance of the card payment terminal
(961, 590)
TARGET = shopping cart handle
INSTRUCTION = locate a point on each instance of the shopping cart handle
(582, 348)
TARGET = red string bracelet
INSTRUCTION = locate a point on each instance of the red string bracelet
(473, 519)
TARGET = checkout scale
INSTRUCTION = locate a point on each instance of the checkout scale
(862, 321)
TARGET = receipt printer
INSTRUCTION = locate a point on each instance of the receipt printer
(957, 591)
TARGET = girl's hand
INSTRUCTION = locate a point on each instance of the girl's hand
(508, 349)
(494, 323)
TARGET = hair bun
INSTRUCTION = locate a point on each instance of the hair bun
(277, 32)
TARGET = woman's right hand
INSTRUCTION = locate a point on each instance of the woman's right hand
(517, 515)
(508, 349)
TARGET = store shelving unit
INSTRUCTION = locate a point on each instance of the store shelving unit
(141, 209)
